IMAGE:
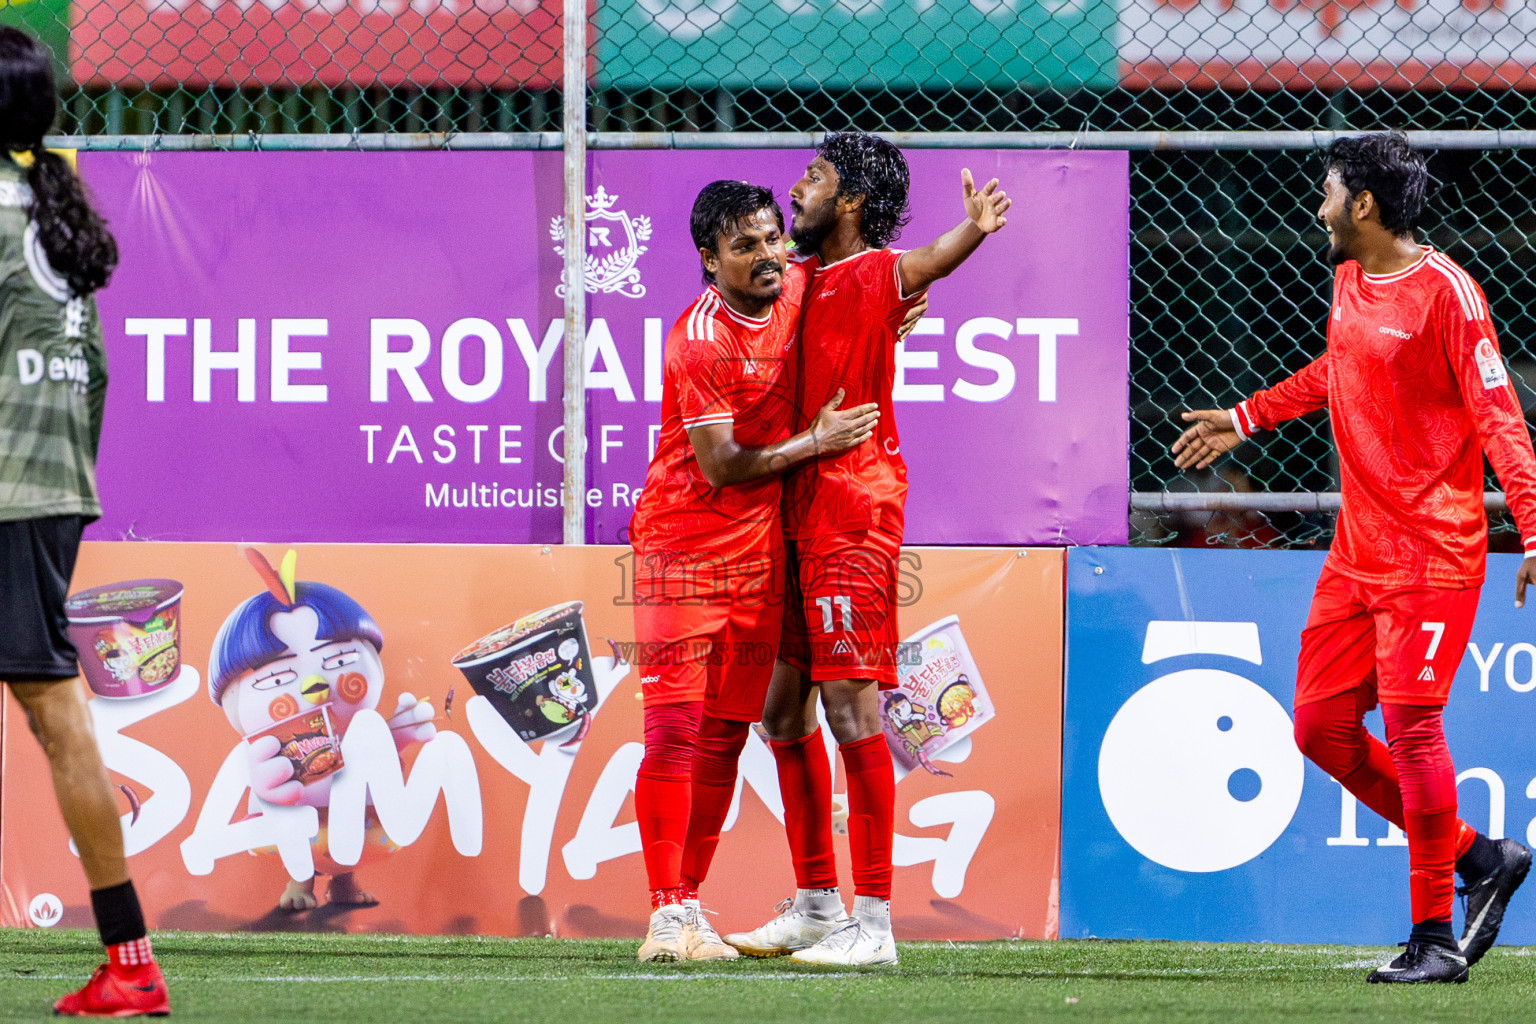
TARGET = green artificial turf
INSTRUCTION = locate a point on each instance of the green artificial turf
(389, 979)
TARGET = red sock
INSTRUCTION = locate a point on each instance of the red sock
(805, 783)
(1464, 835)
(1330, 733)
(662, 790)
(1428, 783)
(871, 814)
(714, 785)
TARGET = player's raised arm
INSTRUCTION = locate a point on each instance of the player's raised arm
(984, 214)
(724, 462)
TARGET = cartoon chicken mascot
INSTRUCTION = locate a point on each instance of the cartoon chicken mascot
(910, 723)
(566, 700)
(299, 647)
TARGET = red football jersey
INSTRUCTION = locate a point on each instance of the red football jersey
(720, 367)
(853, 310)
(1416, 392)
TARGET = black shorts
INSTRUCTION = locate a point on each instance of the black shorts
(37, 558)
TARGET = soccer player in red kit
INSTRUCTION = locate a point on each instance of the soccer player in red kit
(843, 517)
(1416, 394)
(708, 548)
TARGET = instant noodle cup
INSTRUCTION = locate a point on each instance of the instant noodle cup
(536, 672)
(127, 635)
(939, 696)
(308, 741)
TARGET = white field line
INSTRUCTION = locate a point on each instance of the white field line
(1355, 962)
(453, 978)
(834, 975)
(255, 943)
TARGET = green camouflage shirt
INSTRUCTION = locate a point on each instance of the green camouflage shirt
(53, 374)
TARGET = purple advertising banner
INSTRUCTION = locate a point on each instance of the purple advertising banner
(366, 347)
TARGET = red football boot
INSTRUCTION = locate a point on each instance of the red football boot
(115, 991)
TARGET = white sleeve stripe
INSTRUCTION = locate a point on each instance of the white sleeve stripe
(896, 269)
(1237, 422)
(1478, 301)
(703, 420)
(1478, 309)
(1465, 291)
(701, 323)
(1463, 294)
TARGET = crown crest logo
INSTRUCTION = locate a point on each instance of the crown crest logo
(615, 243)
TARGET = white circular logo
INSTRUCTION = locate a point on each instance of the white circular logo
(45, 910)
(1199, 770)
(568, 649)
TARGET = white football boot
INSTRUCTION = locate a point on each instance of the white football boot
(703, 942)
(794, 927)
(667, 937)
(865, 941)
(852, 945)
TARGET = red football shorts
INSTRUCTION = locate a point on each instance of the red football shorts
(1402, 642)
(840, 607)
(710, 637)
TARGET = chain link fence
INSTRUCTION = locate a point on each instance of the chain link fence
(328, 66)
(1230, 293)
(1228, 288)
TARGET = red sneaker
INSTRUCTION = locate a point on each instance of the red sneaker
(115, 991)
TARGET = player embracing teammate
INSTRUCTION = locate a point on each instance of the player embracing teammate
(843, 518)
(1416, 394)
(709, 554)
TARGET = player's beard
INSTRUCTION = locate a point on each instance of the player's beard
(1342, 234)
(810, 227)
(777, 287)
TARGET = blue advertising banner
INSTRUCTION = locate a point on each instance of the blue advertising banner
(1187, 811)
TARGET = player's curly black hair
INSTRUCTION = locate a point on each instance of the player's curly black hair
(74, 236)
(1387, 167)
(721, 205)
(871, 167)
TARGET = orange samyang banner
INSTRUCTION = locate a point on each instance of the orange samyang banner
(464, 725)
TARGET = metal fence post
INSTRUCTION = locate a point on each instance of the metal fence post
(575, 156)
